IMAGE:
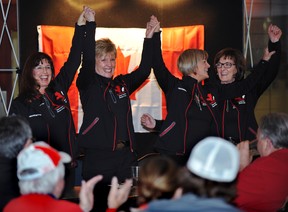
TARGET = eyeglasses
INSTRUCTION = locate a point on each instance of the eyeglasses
(226, 65)
(42, 68)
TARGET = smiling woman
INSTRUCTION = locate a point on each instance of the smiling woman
(105, 57)
(230, 65)
(43, 74)
(237, 114)
(43, 98)
(107, 135)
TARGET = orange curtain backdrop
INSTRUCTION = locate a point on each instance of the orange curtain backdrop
(56, 41)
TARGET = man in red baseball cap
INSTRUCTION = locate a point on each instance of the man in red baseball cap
(40, 170)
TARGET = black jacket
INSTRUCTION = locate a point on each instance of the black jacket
(236, 115)
(49, 115)
(100, 128)
(190, 115)
(193, 110)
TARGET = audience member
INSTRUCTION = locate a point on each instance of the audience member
(118, 194)
(213, 166)
(262, 185)
(40, 170)
(15, 133)
(158, 179)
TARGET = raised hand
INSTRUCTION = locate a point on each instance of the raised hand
(86, 195)
(89, 14)
(267, 55)
(274, 33)
(155, 23)
(152, 26)
(81, 20)
(117, 196)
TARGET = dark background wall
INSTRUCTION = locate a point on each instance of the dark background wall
(222, 19)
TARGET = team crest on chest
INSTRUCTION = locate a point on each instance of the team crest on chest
(120, 91)
(211, 100)
(60, 96)
(240, 100)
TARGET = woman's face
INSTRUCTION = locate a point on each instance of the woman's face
(42, 74)
(105, 64)
(226, 70)
(202, 70)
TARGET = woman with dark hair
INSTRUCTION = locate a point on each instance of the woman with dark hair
(43, 98)
(238, 61)
(237, 116)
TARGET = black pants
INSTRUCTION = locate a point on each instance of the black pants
(107, 163)
(180, 160)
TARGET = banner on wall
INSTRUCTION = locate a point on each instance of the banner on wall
(148, 98)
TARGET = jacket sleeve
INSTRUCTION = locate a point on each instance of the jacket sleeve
(134, 79)
(273, 68)
(88, 65)
(70, 67)
(158, 125)
(165, 79)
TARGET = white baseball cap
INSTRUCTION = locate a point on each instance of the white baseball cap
(38, 159)
(215, 159)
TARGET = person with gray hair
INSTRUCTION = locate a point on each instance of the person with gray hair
(40, 170)
(176, 134)
(262, 184)
(15, 133)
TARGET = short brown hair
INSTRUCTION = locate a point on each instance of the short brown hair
(237, 57)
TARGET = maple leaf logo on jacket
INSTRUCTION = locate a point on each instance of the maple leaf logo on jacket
(119, 90)
(59, 96)
(211, 100)
(240, 100)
